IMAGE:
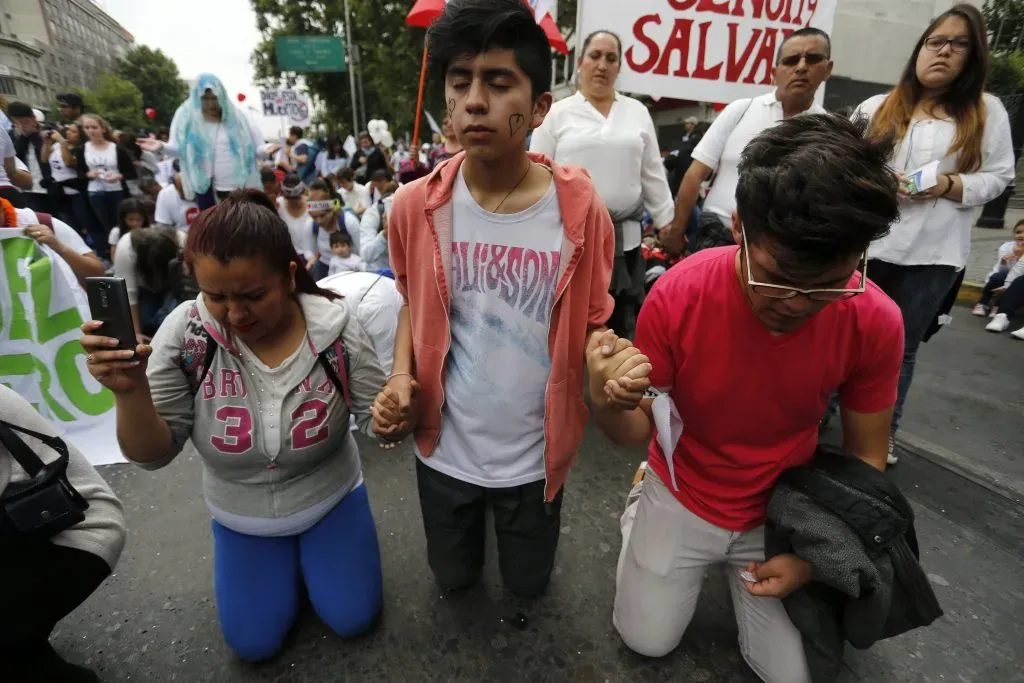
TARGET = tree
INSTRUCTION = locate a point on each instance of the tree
(156, 76)
(118, 101)
(1005, 19)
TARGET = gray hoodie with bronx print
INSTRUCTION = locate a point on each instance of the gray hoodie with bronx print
(273, 443)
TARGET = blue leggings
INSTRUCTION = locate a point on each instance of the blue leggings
(256, 579)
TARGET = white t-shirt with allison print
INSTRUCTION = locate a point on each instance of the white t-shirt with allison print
(275, 444)
(504, 269)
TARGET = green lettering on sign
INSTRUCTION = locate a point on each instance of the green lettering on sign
(25, 364)
(71, 382)
(16, 250)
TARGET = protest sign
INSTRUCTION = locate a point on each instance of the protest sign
(41, 310)
(702, 50)
(290, 104)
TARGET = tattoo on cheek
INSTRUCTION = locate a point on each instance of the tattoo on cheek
(516, 123)
(451, 106)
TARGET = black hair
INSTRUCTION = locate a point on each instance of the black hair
(20, 110)
(291, 180)
(154, 249)
(335, 148)
(341, 237)
(320, 185)
(380, 174)
(176, 165)
(267, 176)
(148, 183)
(347, 175)
(470, 27)
(806, 32)
(814, 191)
(296, 131)
(148, 209)
(595, 34)
(127, 207)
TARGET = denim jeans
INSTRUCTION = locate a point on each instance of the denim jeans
(1013, 298)
(919, 292)
(104, 206)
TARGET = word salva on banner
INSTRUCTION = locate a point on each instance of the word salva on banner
(703, 50)
(41, 310)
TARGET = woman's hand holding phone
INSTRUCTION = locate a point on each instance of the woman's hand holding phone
(121, 371)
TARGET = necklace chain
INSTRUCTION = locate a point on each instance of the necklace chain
(528, 169)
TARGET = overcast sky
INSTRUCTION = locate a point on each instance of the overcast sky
(200, 35)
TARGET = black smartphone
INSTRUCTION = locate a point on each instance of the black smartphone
(108, 303)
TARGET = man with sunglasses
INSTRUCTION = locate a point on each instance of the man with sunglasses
(747, 343)
(803, 64)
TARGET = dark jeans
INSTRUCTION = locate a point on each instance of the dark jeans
(43, 583)
(994, 282)
(919, 292)
(454, 514)
(104, 207)
(320, 271)
(77, 213)
(209, 198)
(1013, 298)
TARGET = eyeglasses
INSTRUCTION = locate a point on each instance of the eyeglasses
(936, 43)
(811, 58)
(822, 295)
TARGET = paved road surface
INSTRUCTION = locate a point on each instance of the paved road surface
(155, 619)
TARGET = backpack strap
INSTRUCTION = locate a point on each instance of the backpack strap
(45, 219)
(197, 350)
(337, 372)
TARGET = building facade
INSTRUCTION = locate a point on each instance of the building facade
(53, 46)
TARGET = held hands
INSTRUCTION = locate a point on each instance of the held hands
(619, 373)
(123, 372)
(779, 576)
(396, 410)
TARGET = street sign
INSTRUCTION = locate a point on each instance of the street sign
(310, 54)
(290, 104)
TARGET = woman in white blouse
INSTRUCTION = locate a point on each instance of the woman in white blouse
(613, 137)
(937, 112)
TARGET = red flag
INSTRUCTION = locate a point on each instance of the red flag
(424, 12)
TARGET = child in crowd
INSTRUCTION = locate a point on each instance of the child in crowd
(343, 259)
(1009, 253)
(131, 214)
(326, 210)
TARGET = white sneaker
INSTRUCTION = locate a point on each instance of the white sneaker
(979, 310)
(892, 459)
(1019, 334)
(1000, 323)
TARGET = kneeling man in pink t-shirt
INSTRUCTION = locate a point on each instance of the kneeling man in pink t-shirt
(746, 344)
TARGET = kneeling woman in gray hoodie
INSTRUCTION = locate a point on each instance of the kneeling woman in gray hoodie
(259, 375)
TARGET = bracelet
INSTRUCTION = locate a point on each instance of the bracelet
(400, 374)
(949, 188)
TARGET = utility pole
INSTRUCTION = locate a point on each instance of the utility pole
(350, 49)
(362, 98)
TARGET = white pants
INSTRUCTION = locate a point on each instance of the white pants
(666, 550)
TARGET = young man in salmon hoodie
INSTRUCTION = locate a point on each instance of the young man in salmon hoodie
(504, 260)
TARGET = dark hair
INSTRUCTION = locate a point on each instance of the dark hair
(341, 237)
(149, 209)
(320, 185)
(335, 149)
(296, 131)
(962, 99)
(70, 99)
(815, 191)
(470, 27)
(291, 180)
(129, 143)
(247, 225)
(595, 34)
(380, 174)
(126, 207)
(155, 248)
(20, 110)
(806, 32)
(347, 174)
(1017, 225)
(268, 176)
(148, 183)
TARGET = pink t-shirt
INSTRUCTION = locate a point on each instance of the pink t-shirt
(750, 401)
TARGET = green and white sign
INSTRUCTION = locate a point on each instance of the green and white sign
(310, 54)
(41, 309)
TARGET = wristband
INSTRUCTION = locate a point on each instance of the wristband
(400, 374)
(949, 188)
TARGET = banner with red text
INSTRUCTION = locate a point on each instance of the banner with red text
(702, 50)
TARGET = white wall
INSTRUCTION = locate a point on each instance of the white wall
(872, 39)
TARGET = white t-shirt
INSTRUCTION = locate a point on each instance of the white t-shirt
(105, 161)
(721, 146)
(352, 264)
(323, 238)
(223, 161)
(174, 211)
(64, 233)
(327, 166)
(359, 194)
(504, 272)
(6, 152)
(114, 236)
(59, 171)
(36, 170)
(377, 303)
(301, 230)
(620, 152)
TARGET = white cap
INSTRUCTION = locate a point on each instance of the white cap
(40, 116)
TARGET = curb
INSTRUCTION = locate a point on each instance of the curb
(969, 292)
(963, 467)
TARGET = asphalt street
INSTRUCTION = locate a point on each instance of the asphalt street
(155, 619)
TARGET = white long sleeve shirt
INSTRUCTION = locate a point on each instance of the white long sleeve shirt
(620, 152)
(938, 232)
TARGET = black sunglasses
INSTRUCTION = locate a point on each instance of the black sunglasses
(812, 58)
